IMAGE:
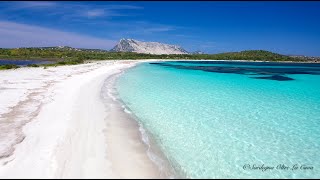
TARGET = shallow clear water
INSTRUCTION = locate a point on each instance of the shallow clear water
(214, 121)
(23, 62)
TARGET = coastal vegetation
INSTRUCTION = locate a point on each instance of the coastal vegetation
(32, 65)
(74, 55)
(8, 66)
(70, 56)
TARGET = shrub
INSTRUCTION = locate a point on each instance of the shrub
(62, 63)
(32, 65)
(9, 66)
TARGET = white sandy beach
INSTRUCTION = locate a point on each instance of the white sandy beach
(53, 124)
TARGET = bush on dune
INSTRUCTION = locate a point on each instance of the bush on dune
(32, 65)
(9, 66)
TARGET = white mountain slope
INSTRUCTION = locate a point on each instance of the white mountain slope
(131, 45)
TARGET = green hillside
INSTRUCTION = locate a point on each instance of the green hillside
(78, 55)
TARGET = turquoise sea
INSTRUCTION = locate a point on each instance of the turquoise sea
(222, 119)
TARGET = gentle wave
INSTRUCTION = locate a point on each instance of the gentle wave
(110, 92)
(210, 123)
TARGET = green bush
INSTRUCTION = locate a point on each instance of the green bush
(62, 63)
(32, 65)
(9, 66)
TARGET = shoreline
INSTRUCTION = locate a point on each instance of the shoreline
(97, 61)
(70, 122)
(59, 138)
(124, 130)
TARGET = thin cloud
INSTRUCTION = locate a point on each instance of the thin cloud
(67, 10)
(89, 15)
(141, 31)
(95, 13)
(36, 4)
(123, 7)
(15, 35)
(143, 27)
(29, 5)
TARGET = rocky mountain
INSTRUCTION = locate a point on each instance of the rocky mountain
(131, 45)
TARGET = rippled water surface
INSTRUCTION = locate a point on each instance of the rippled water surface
(219, 119)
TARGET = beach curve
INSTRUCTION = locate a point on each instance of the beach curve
(67, 137)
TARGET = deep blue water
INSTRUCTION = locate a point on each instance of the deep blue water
(219, 119)
(258, 70)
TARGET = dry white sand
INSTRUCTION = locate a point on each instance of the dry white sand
(54, 124)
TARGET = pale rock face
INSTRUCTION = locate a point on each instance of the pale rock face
(131, 45)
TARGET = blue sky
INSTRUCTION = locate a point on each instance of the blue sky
(212, 27)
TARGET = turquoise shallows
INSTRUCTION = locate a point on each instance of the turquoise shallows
(216, 124)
